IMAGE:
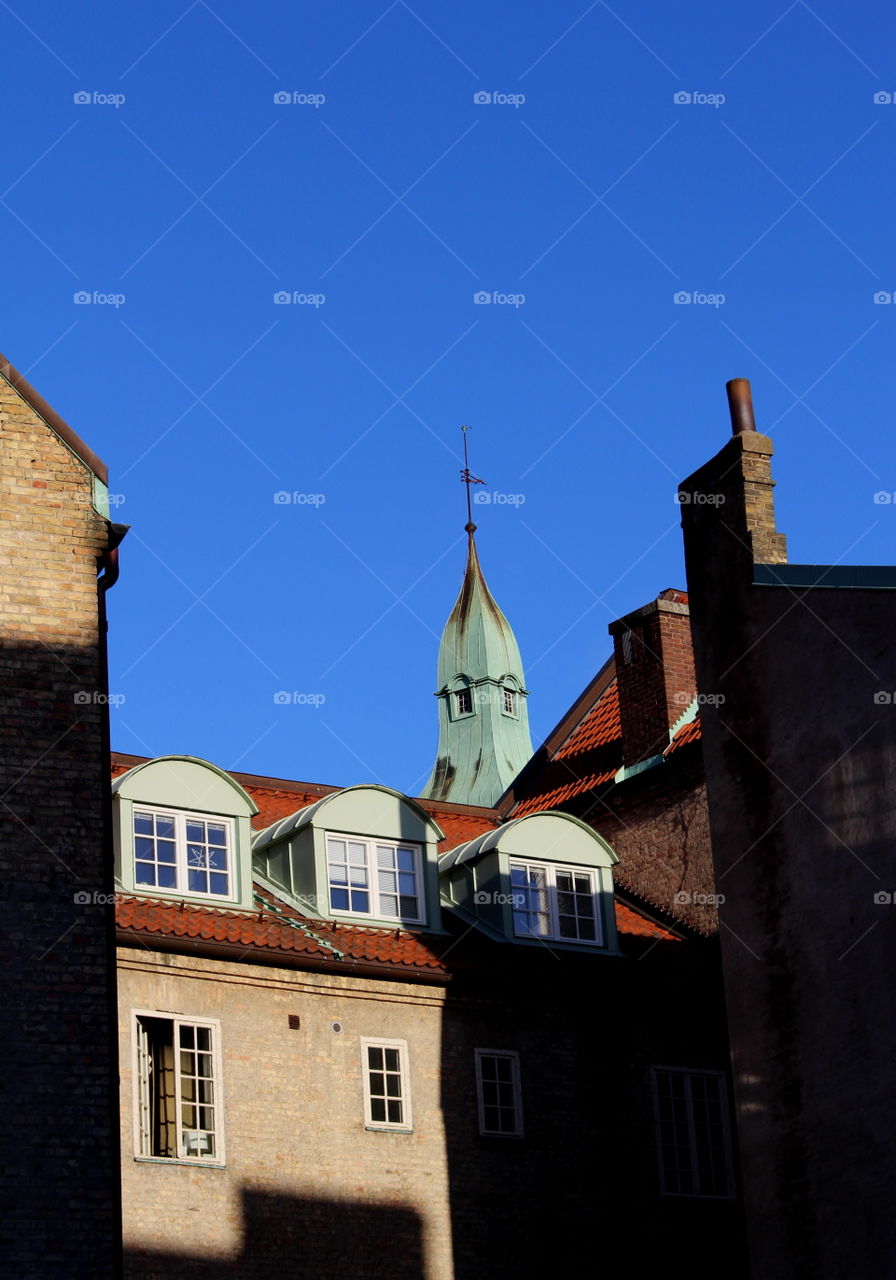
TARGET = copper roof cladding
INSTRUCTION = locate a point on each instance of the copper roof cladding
(33, 398)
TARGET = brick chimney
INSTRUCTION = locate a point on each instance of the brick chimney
(654, 673)
(727, 507)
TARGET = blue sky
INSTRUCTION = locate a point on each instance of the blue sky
(382, 166)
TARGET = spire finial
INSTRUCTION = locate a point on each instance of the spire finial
(468, 478)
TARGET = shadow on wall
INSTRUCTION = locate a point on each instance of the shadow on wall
(296, 1238)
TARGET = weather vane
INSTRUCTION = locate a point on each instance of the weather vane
(468, 478)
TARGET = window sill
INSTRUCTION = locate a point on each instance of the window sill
(183, 1163)
(385, 1128)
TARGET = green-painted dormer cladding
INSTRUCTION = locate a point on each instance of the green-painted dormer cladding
(483, 719)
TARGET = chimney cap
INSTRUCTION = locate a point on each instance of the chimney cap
(740, 405)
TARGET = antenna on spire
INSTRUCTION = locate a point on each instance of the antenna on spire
(468, 478)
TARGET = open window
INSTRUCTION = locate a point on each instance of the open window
(178, 1088)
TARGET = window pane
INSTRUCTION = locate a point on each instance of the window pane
(394, 1109)
(392, 1059)
(377, 1110)
(406, 860)
(375, 1056)
(410, 909)
(196, 831)
(143, 823)
(165, 827)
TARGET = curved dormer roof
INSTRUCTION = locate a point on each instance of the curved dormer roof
(354, 812)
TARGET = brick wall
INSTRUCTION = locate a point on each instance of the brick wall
(59, 1152)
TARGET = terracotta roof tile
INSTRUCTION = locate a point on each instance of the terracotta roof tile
(688, 733)
(599, 728)
(278, 927)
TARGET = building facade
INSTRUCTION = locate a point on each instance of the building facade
(458, 1026)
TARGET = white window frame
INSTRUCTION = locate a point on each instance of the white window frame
(513, 1057)
(373, 891)
(405, 1125)
(551, 869)
(142, 1135)
(514, 709)
(181, 817)
(691, 1129)
(459, 712)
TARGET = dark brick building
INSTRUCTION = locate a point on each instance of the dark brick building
(798, 663)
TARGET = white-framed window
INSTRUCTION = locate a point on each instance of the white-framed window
(463, 702)
(555, 901)
(509, 704)
(177, 1074)
(387, 1084)
(692, 1133)
(379, 878)
(498, 1093)
(183, 852)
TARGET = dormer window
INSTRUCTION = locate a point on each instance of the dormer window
(551, 901)
(544, 877)
(374, 878)
(183, 851)
(181, 829)
(464, 701)
(509, 702)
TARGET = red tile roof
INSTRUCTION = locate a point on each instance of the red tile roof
(278, 928)
(600, 727)
(595, 741)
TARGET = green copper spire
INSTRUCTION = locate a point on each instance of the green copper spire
(483, 720)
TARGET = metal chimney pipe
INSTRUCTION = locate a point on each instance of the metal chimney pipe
(740, 405)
